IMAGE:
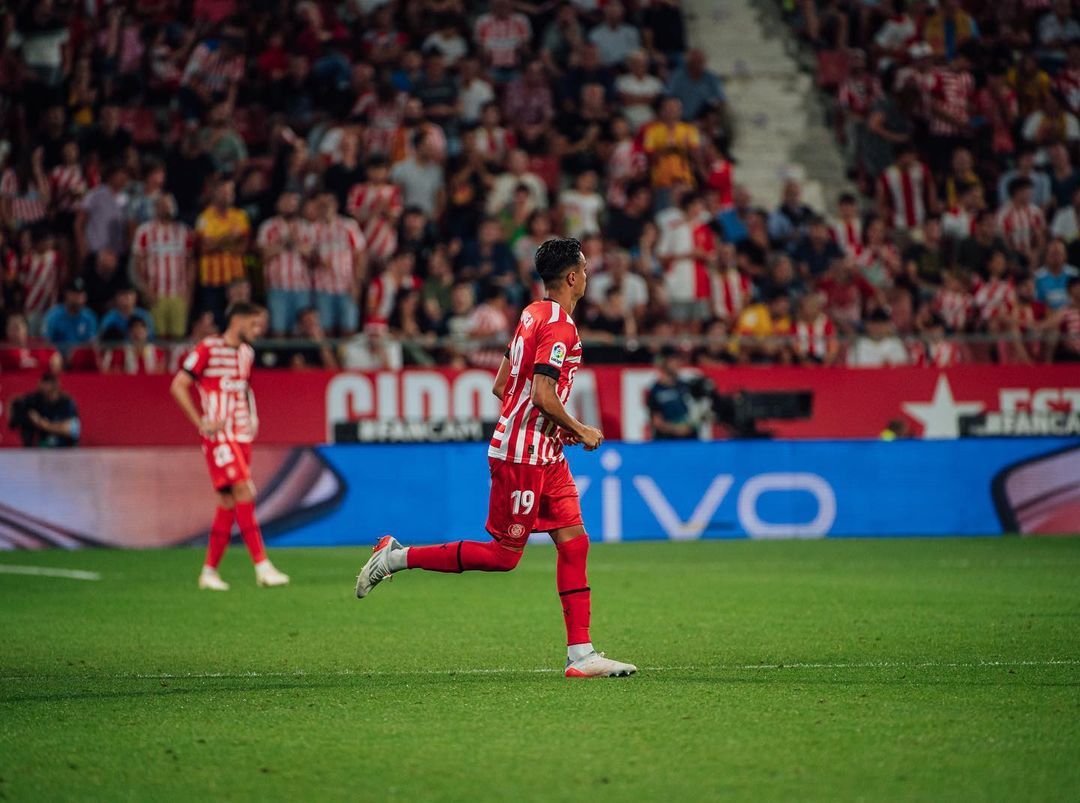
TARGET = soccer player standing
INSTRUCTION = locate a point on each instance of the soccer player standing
(531, 486)
(220, 367)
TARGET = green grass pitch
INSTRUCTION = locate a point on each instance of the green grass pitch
(831, 670)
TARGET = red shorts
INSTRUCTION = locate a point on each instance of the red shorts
(229, 462)
(530, 499)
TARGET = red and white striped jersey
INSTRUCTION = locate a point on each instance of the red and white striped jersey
(545, 342)
(940, 354)
(994, 297)
(1018, 225)
(67, 185)
(382, 293)
(1067, 83)
(1070, 328)
(167, 247)
(368, 200)
(336, 244)
(40, 273)
(222, 374)
(906, 191)
(812, 339)
(858, 94)
(495, 143)
(956, 92)
(954, 307)
(27, 206)
(502, 39)
(211, 67)
(849, 236)
(134, 361)
(288, 270)
(731, 291)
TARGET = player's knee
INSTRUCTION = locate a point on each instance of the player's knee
(506, 559)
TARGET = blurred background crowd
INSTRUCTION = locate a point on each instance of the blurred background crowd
(379, 174)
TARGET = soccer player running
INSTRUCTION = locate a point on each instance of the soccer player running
(220, 367)
(531, 486)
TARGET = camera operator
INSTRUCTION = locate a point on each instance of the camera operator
(47, 417)
(670, 400)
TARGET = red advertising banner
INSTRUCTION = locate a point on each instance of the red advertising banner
(301, 408)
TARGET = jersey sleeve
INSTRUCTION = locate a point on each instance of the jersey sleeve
(196, 361)
(553, 344)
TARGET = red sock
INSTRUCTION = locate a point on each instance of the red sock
(249, 531)
(464, 556)
(573, 585)
(220, 532)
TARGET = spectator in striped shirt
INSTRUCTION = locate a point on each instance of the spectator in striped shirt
(212, 73)
(503, 36)
(286, 244)
(1068, 325)
(163, 251)
(340, 260)
(1021, 223)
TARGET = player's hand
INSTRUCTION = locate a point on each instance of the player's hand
(209, 428)
(568, 438)
(590, 438)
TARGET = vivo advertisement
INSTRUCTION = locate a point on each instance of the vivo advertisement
(342, 495)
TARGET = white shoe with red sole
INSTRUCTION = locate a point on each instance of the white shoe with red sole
(595, 665)
(377, 567)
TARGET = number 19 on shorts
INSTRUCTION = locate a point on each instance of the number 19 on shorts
(522, 501)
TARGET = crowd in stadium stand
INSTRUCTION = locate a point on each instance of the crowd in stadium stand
(379, 174)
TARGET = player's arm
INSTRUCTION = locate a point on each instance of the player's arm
(253, 411)
(546, 400)
(181, 391)
(501, 378)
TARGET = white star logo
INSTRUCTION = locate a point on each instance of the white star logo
(941, 416)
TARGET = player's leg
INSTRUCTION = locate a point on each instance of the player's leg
(220, 532)
(266, 574)
(560, 515)
(512, 511)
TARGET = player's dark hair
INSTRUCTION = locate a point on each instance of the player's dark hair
(242, 309)
(556, 256)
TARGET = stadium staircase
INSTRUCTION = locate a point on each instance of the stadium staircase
(777, 111)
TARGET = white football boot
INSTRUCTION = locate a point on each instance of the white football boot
(595, 665)
(377, 567)
(268, 576)
(210, 580)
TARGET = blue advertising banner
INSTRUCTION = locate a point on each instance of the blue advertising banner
(731, 489)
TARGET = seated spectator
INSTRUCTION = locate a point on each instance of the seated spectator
(1052, 280)
(474, 90)
(847, 295)
(760, 327)
(317, 351)
(638, 90)
(782, 278)
(753, 250)
(20, 352)
(581, 206)
(789, 221)
(410, 323)
(815, 251)
(935, 350)
(71, 323)
(114, 323)
(1050, 125)
(421, 178)
(446, 40)
(1056, 30)
(382, 293)
(1064, 177)
(614, 38)
(879, 346)
(517, 172)
(487, 258)
(562, 39)
(697, 88)
(949, 28)
(1068, 331)
(1067, 79)
(1025, 168)
(137, 355)
(814, 334)
(995, 295)
(734, 222)
(958, 222)
(847, 231)
(1021, 223)
(924, 261)
(1066, 223)
(46, 418)
(617, 275)
(669, 400)
(906, 194)
(961, 174)
(437, 91)
(372, 350)
(973, 252)
(953, 302)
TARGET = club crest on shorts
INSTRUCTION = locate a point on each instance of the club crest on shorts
(515, 530)
(558, 355)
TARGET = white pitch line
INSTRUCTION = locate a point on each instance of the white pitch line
(45, 571)
(545, 670)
